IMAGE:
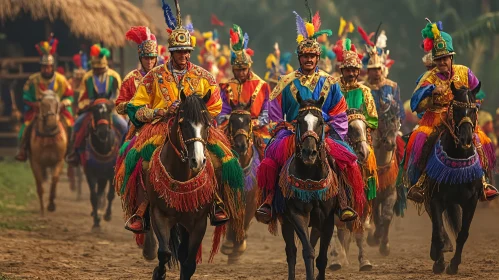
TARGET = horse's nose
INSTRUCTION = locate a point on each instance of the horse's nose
(241, 147)
(196, 164)
(309, 153)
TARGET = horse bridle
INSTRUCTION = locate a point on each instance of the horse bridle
(182, 153)
(352, 117)
(48, 114)
(247, 134)
(308, 133)
(453, 128)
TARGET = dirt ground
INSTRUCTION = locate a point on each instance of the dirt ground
(61, 245)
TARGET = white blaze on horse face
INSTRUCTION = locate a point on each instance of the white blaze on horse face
(311, 121)
(102, 109)
(198, 146)
(241, 119)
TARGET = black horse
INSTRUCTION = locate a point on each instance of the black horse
(309, 169)
(458, 197)
(102, 148)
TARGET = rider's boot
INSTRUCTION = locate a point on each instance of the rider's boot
(264, 213)
(489, 192)
(72, 157)
(136, 223)
(218, 215)
(22, 153)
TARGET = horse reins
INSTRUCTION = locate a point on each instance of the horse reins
(183, 152)
(352, 117)
(308, 133)
(466, 119)
(247, 134)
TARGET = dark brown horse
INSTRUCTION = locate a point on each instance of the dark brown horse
(184, 161)
(308, 174)
(102, 149)
(240, 132)
(447, 188)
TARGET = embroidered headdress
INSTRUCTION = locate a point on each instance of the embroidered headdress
(346, 54)
(180, 36)
(46, 49)
(240, 56)
(308, 32)
(146, 41)
(436, 40)
(99, 56)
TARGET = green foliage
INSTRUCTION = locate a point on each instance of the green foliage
(17, 188)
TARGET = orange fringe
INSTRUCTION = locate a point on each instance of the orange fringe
(371, 165)
(388, 176)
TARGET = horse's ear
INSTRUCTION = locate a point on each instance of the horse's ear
(321, 101)
(453, 88)
(182, 96)
(476, 89)
(207, 97)
(298, 98)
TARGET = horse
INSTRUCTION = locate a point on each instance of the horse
(99, 157)
(309, 187)
(181, 163)
(453, 176)
(47, 146)
(387, 158)
(357, 138)
(240, 132)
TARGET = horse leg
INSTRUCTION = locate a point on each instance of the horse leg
(79, 180)
(364, 263)
(326, 235)
(288, 234)
(374, 236)
(110, 198)
(338, 253)
(161, 226)
(386, 219)
(92, 185)
(39, 178)
(300, 223)
(468, 213)
(447, 243)
(56, 171)
(188, 265)
(436, 252)
(149, 251)
(71, 177)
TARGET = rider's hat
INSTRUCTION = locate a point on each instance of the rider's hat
(180, 36)
(46, 49)
(240, 54)
(146, 41)
(99, 56)
(308, 31)
(436, 40)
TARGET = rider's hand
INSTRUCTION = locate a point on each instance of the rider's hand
(159, 113)
(439, 90)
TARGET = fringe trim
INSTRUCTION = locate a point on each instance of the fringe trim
(388, 176)
(218, 234)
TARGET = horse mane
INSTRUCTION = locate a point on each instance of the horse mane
(194, 109)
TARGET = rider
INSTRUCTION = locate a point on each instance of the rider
(277, 65)
(246, 88)
(358, 97)
(382, 89)
(159, 93)
(311, 83)
(100, 82)
(46, 79)
(432, 96)
(148, 58)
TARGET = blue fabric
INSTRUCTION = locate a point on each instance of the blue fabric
(420, 94)
(389, 94)
(79, 121)
(120, 124)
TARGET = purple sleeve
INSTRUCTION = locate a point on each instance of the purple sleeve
(472, 80)
(226, 109)
(275, 110)
(340, 124)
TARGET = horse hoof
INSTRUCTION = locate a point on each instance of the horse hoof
(450, 270)
(51, 207)
(366, 266)
(335, 266)
(107, 217)
(96, 229)
(158, 275)
(242, 247)
(227, 247)
(384, 249)
(438, 267)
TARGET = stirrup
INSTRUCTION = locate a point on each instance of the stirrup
(493, 196)
(415, 195)
(350, 218)
(213, 214)
(262, 216)
(129, 221)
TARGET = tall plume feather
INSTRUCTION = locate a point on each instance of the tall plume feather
(309, 11)
(170, 20)
(317, 21)
(300, 25)
(179, 16)
(137, 34)
(246, 40)
(364, 36)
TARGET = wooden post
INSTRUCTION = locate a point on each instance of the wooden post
(122, 62)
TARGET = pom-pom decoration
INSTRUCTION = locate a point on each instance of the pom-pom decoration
(427, 44)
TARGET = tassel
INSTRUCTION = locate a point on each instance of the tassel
(217, 237)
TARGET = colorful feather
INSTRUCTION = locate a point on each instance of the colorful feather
(54, 44)
(234, 39)
(239, 43)
(84, 61)
(310, 29)
(427, 31)
(338, 50)
(309, 11)
(246, 40)
(271, 61)
(326, 32)
(300, 25)
(347, 44)
(364, 36)
(435, 31)
(343, 23)
(189, 27)
(105, 53)
(299, 38)
(137, 34)
(170, 19)
(77, 60)
(285, 58)
(427, 44)
(440, 26)
(250, 52)
(95, 50)
(316, 21)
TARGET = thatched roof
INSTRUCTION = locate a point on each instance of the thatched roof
(97, 20)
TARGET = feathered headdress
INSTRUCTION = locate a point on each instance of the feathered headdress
(180, 36)
(99, 56)
(277, 64)
(80, 61)
(346, 54)
(240, 53)
(345, 27)
(46, 49)
(436, 40)
(308, 31)
(146, 41)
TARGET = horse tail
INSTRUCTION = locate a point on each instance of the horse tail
(453, 218)
(175, 238)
